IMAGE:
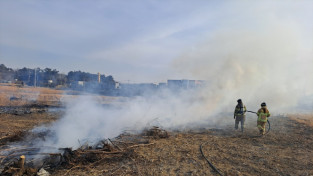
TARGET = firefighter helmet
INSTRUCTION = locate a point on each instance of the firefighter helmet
(263, 104)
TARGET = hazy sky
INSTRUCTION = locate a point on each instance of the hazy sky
(139, 41)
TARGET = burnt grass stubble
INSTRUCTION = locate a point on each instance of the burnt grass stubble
(286, 150)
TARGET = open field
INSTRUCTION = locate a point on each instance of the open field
(12, 125)
(285, 150)
(11, 95)
(306, 119)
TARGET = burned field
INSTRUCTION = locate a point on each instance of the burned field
(285, 150)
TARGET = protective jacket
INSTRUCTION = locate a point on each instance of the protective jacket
(263, 113)
(240, 109)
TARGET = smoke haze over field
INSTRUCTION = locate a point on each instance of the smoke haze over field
(87, 120)
(266, 64)
(254, 50)
(270, 63)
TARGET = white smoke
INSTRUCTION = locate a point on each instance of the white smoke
(87, 120)
(269, 64)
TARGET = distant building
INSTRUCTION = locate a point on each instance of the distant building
(80, 83)
(136, 89)
(192, 84)
(77, 85)
(162, 85)
(199, 83)
(133, 89)
(184, 84)
(117, 85)
(174, 84)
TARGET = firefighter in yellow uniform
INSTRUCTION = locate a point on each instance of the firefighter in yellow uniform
(239, 114)
(263, 114)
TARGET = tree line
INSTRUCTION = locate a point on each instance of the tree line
(51, 78)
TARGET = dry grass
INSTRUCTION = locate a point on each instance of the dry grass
(43, 96)
(286, 150)
(303, 118)
(11, 125)
(28, 95)
(43, 90)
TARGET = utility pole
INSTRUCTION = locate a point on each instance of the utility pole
(35, 78)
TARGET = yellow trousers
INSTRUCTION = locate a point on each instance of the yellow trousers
(261, 126)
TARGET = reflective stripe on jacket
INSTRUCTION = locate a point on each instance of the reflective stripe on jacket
(240, 110)
(263, 113)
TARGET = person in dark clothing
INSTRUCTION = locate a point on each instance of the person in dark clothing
(239, 114)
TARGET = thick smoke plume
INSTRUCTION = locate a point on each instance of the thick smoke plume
(268, 64)
(86, 120)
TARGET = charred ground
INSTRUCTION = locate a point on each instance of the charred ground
(286, 150)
